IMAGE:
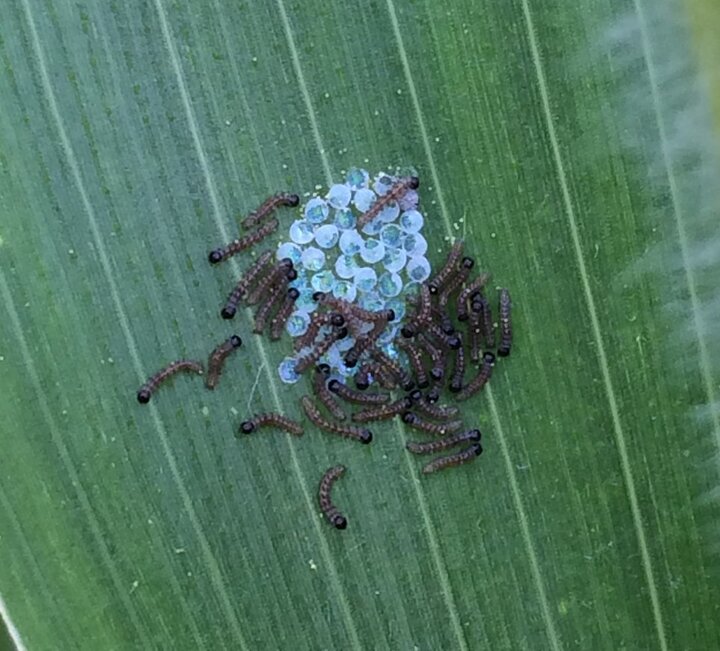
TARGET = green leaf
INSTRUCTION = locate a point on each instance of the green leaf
(573, 147)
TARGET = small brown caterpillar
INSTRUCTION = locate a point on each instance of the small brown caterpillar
(236, 246)
(446, 340)
(475, 330)
(357, 397)
(423, 314)
(448, 268)
(217, 359)
(466, 295)
(437, 356)
(244, 284)
(362, 377)
(383, 412)
(283, 314)
(362, 343)
(346, 431)
(428, 408)
(399, 188)
(146, 390)
(505, 323)
(268, 206)
(464, 456)
(416, 361)
(480, 380)
(456, 379)
(487, 321)
(456, 279)
(433, 447)
(305, 362)
(334, 517)
(281, 273)
(438, 429)
(347, 308)
(271, 420)
(317, 321)
(320, 388)
(266, 308)
(393, 368)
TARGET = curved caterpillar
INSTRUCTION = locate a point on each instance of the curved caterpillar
(436, 355)
(268, 206)
(217, 359)
(392, 367)
(448, 268)
(466, 295)
(346, 431)
(146, 390)
(236, 246)
(324, 395)
(415, 357)
(480, 380)
(428, 408)
(443, 444)
(464, 456)
(317, 321)
(271, 420)
(334, 517)
(243, 285)
(399, 188)
(305, 362)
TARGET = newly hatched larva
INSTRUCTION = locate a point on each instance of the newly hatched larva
(432, 447)
(146, 390)
(364, 375)
(248, 280)
(422, 316)
(217, 359)
(437, 356)
(333, 515)
(347, 308)
(262, 314)
(271, 420)
(416, 362)
(281, 273)
(456, 379)
(446, 340)
(456, 279)
(475, 332)
(464, 456)
(466, 295)
(480, 380)
(363, 343)
(441, 277)
(428, 407)
(383, 412)
(268, 206)
(438, 429)
(398, 190)
(236, 246)
(487, 322)
(322, 347)
(357, 397)
(505, 323)
(393, 368)
(320, 387)
(317, 321)
(283, 313)
(346, 431)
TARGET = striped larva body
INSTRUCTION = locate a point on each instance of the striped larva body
(446, 340)
(363, 343)
(383, 412)
(397, 191)
(466, 295)
(393, 368)
(423, 314)
(433, 447)
(437, 356)
(456, 279)
(505, 323)
(268, 206)
(330, 511)
(248, 280)
(236, 246)
(480, 380)
(217, 359)
(456, 379)
(346, 431)
(358, 397)
(416, 362)
(317, 321)
(362, 377)
(326, 397)
(428, 408)
(182, 365)
(283, 314)
(262, 314)
(436, 284)
(438, 429)
(488, 325)
(305, 362)
(475, 331)
(280, 273)
(346, 308)
(271, 420)
(464, 456)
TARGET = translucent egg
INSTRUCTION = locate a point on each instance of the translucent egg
(301, 231)
(345, 290)
(415, 244)
(365, 279)
(339, 195)
(373, 227)
(391, 235)
(289, 250)
(346, 266)
(411, 221)
(383, 183)
(327, 236)
(389, 213)
(363, 199)
(313, 259)
(305, 302)
(394, 259)
(357, 178)
(388, 334)
(389, 284)
(345, 219)
(297, 324)
(418, 269)
(316, 210)
(371, 301)
(287, 372)
(351, 242)
(372, 251)
(323, 281)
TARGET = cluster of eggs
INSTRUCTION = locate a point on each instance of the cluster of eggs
(376, 266)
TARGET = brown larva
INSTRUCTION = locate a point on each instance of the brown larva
(428, 408)
(438, 429)
(487, 322)
(385, 362)
(432, 447)
(363, 342)
(305, 362)
(248, 279)
(466, 295)
(320, 388)
(475, 330)
(236, 246)
(448, 341)
(268, 206)
(464, 456)
(480, 380)
(262, 314)
(362, 377)
(271, 420)
(422, 316)
(317, 321)
(146, 390)
(456, 379)
(358, 397)
(383, 412)
(416, 361)
(398, 190)
(456, 279)
(280, 273)
(346, 431)
(283, 314)
(437, 356)
(334, 517)
(217, 359)
(505, 324)
(347, 308)
(435, 285)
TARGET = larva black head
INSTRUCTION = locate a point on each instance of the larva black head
(324, 369)
(448, 329)
(339, 521)
(414, 183)
(503, 352)
(489, 358)
(454, 342)
(436, 373)
(474, 435)
(350, 361)
(143, 396)
(476, 305)
(318, 296)
(408, 332)
(408, 384)
(228, 312)
(334, 386)
(390, 314)
(286, 263)
(408, 417)
(365, 436)
(416, 395)
(337, 319)
(455, 386)
(434, 289)
(235, 341)
(361, 383)
(462, 316)
(292, 200)
(342, 332)
(424, 384)
(467, 262)
(477, 449)
(247, 427)
(433, 395)
(215, 256)
(291, 275)
(293, 293)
